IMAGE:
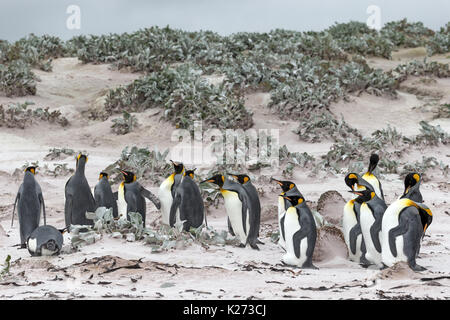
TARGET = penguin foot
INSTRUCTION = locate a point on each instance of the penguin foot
(417, 268)
(22, 246)
(241, 245)
(259, 242)
(309, 265)
(254, 246)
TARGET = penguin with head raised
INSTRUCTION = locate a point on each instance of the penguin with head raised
(237, 206)
(404, 224)
(371, 216)
(351, 225)
(287, 187)
(78, 196)
(255, 204)
(131, 195)
(167, 190)
(412, 187)
(103, 194)
(371, 178)
(29, 202)
(300, 232)
(187, 206)
(45, 241)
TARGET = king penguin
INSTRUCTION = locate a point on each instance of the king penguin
(351, 226)
(103, 194)
(237, 206)
(300, 230)
(371, 216)
(371, 178)
(412, 187)
(255, 205)
(187, 205)
(78, 195)
(283, 205)
(131, 197)
(45, 241)
(404, 224)
(29, 202)
(167, 190)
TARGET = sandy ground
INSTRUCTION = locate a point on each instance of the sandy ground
(115, 268)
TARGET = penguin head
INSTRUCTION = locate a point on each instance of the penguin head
(178, 167)
(241, 178)
(103, 175)
(411, 181)
(31, 169)
(82, 157)
(128, 176)
(294, 200)
(285, 185)
(51, 245)
(426, 217)
(190, 173)
(351, 180)
(374, 158)
(364, 195)
(218, 179)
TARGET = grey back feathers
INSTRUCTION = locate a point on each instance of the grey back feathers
(45, 240)
(104, 197)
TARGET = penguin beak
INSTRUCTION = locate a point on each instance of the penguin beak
(356, 192)
(277, 181)
(207, 180)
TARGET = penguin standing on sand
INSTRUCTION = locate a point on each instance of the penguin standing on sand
(300, 230)
(187, 205)
(412, 187)
(29, 202)
(45, 241)
(371, 216)
(404, 224)
(167, 190)
(283, 205)
(78, 195)
(103, 194)
(371, 178)
(131, 196)
(246, 183)
(351, 226)
(239, 210)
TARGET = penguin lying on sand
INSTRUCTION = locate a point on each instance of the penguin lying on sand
(29, 202)
(45, 241)
(103, 194)
(187, 203)
(167, 190)
(238, 207)
(300, 231)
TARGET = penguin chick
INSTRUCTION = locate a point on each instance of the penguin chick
(187, 205)
(237, 204)
(283, 205)
(404, 224)
(78, 196)
(45, 241)
(103, 194)
(167, 190)
(300, 230)
(29, 202)
(371, 178)
(412, 185)
(131, 196)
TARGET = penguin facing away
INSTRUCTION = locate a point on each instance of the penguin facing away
(78, 196)
(45, 241)
(352, 228)
(237, 204)
(132, 194)
(167, 190)
(283, 205)
(301, 233)
(29, 202)
(371, 178)
(371, 216)
(187, 203)
(412, 185)
(103, 194)
(404, 225)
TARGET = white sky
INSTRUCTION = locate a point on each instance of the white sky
(20, 17)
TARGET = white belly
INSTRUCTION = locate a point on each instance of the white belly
(121, 203)
(348, 222)
(291, 226)
(165, 197)
(233, 206)
(366, 221)
(390, 220)
(281, 213)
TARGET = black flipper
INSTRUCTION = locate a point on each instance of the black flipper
(116, 195)
(297, 238)
(230, 228)
(354, 233)
(14, 208)
(41, 200)
(393, 234)
(173, 209)
(375, 234)
(282, 226)
(68, 211)
(150, 196)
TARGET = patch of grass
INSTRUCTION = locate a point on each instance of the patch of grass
(19, 116)
(431, 135)
(16, 79)
(423, 68)
(125, 124)
(58, 153)
(406, 34)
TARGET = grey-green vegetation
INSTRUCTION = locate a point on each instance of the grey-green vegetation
(20, 116)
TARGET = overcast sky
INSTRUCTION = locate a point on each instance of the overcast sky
(20, 17)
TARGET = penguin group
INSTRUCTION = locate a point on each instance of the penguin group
(378, 234)
(374, 233)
